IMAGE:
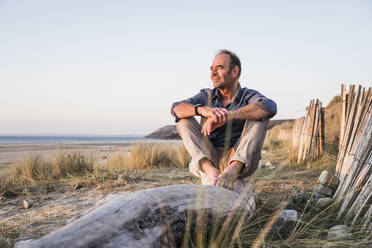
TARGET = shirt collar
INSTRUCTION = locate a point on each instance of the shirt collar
(238, 95)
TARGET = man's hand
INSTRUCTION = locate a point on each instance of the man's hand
(219, 115)
(210, 125)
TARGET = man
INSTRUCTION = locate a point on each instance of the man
(227, 144)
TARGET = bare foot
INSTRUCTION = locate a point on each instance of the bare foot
(229, 175)
(211, 171)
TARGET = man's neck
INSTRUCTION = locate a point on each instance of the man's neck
(228, 93)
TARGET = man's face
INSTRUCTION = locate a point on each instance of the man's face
(221, 74)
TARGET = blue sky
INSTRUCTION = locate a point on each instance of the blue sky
(115, 67)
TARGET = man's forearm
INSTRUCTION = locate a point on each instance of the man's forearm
(184, 110)
(248, 112)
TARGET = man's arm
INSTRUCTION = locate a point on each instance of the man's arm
(186, 110)
(248, 112)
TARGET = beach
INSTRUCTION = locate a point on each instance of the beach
(13, 153)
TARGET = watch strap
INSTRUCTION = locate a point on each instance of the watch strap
(196, 110)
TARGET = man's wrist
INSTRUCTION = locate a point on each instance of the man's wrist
(196, 109)
(230, 115)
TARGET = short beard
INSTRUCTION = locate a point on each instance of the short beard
(223, 84)
(221, 87)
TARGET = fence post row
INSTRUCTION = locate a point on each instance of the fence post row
(354, 164)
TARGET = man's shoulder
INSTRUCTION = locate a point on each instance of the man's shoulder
(248, 91)
(206, 91)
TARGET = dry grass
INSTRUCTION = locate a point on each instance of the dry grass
(183, 156)
(149, 156)
(272, 188)
(279, 137)
(278, 141)
(5, 181)
(332, 120)
(34, 168)
(36, 171)
(72, 164)
(79, 167)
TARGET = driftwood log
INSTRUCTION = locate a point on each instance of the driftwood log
(171, 216)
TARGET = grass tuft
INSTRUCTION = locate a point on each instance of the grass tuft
(72, 164)
(183, 156)
(34, 168)
(150, 155)
(5, 181)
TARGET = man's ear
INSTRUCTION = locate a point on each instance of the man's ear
(235, 71)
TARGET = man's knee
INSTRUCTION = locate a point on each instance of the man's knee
(183, 122)
(186, 124)
(254, 130)
(257, 125)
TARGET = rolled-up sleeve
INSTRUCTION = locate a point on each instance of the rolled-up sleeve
(263, 102)
(199, 99)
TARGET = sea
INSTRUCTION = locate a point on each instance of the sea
(77, 139)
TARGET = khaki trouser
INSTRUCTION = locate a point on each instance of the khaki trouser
(246, 150)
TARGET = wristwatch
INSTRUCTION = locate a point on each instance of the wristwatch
(196, 110)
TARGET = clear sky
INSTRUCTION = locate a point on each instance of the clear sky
(115, 67)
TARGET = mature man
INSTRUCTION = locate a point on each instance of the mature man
(227, 144)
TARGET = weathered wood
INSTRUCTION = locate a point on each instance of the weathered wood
(368, 101)
(367, 221)
(309, 136)
(360, 166)
(362, 147)
(350, 99)
(322, 137)
(353, 189)
(296, 131)
(300, 149)
(315, 130)
(358, 117)
(318, 132)
(361, 204)
(343, 114)
(354, 165)
(159, 217)
(347, 155)
(360, 136)
(304, 134)
(346, 138)
(312, 132)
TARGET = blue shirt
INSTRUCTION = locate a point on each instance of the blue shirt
(228, 134)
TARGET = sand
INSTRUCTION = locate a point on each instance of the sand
(12, 153)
